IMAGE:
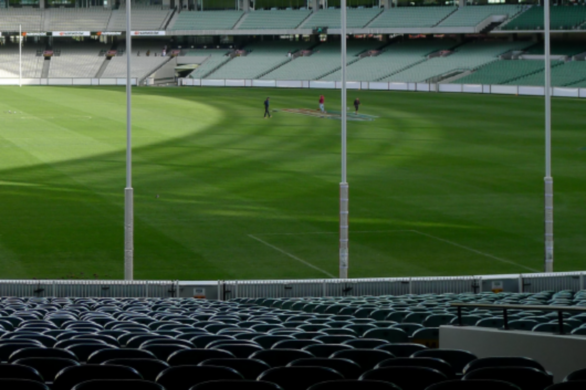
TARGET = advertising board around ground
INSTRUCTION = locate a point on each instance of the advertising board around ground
(151, 33)
(66, 34)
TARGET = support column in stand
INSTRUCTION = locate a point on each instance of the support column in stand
(548, 177)
(128, 191)
(344, 193)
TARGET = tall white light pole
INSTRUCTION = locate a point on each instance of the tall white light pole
(128, 191)
(20, 55)
(344, 193)
(548, 179)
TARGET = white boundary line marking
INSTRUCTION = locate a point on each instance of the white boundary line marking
(292, 256)
(475, 251)
(395, 231)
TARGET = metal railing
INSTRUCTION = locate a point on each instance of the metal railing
(559, 309)
(299, 288)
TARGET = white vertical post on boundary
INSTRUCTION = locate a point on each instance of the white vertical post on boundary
(548, 178)
(344, 193)
(20, 55)
(128, 191)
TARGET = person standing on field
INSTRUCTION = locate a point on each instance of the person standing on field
(267, 108)
(321, 103)
(356, 106)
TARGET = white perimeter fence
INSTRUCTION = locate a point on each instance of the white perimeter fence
(388, 86)
(299, 288)
(69, 81)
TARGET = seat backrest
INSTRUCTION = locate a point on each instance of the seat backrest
(38, 352)
(185, 377)
(299, 378)
(578, 375)
(19, 371)
(71, 376)
(457, 358)
(118, 384)
(435, 363)
(237, 384)
(83, 351)
(502, 361)
(163, 351)
(294, 344)
(267, 341)
(102, 355)
(326, 350)
(392, 335)
(195, 356)
(8, 349)
(248, 368)
(353, 384)
(406, 377)
(148, 368)
(525, 378)
(280, 357)
(402, 349)
(475, 384)
(48, 367)
(365, 343)
(347, 368)
(239, 350)
(203, 341)
(365, 358)
(22, 384)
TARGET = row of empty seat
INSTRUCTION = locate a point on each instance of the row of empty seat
(561, 18)
(276, 344)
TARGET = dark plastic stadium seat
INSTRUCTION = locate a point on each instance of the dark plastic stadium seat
(69, 342)
(364, 343)
(299, 378)
(406, 377)
(102, 355)
(267, 341)
(83, 351)
(137, 341)
(502, 361)
(248, 368)
(524, 377)
(105, 338)
(118, 384)
(22, 384)
(326, 350)
(474, 384)
(215, 344)
(18, 371)
(6, 350)
(294, 344)
(333, 339)
(196, 356)
(457, 358)
(163, 351)
(48, 367)
(309, 335)
(123, 339)
(280, 357)
(149, 369)
(47, 341)
(71, 376)
(236, 385)
(40, 353)
(239, 350)
(574, 385)
(392, 335)
(185, 377)
(578, 375)
(352, 384)
(436, 364)
(203, 341)
(402, 349)
(347, 368)
(365, 358)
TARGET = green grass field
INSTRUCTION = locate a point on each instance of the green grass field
(440, 184)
